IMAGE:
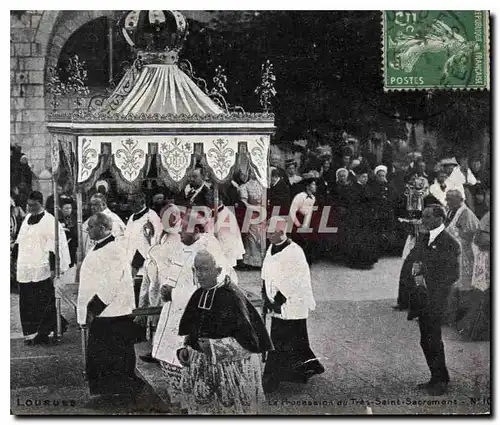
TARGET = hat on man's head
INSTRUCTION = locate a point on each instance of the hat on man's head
(347, 151)
(275, 172)
(310, 177)
(355, 163)
(362, 168)
(448, 161)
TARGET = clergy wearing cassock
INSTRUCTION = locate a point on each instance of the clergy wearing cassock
(105, 302)
(35, 246)
(176, 292)
(224, 334)
(158, 265)
(287, 293)
(98, 205)
(143, 231)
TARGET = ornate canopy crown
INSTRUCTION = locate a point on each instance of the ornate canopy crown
(156, 35)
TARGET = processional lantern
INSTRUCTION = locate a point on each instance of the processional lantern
(159, 108)
(415, 193)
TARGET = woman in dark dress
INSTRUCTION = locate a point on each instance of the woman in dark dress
(384, 206)
(360, 238)
(339, 200)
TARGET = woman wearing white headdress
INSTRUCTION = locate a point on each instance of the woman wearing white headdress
(384, 204)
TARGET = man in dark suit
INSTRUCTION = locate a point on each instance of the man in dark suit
(197, 192)
(278, 194)
(435, 269)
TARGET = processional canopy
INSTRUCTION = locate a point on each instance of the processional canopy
(159, 107)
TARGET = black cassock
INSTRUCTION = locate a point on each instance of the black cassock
(292, 359)
(111, 360)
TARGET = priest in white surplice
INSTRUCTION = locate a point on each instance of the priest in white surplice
(158, 265)
(143, 231)
(105, 302)
(176, 293)
(287, 294)
(35, 250)
(98, 204)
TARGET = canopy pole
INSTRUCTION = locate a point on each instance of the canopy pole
(57, 273)
(216, 207)
(56, 226)
(264, 210)
(79, 227)
(79, 260)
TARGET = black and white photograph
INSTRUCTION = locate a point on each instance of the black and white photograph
(250, 212)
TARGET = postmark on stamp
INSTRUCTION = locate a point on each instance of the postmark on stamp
(436, 50)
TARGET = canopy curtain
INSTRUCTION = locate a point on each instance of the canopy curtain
(103, 165)
(126, 186)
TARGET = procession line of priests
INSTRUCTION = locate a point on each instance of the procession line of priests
(105, 304)
(35, 268)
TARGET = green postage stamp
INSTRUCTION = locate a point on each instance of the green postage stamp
(436, 50)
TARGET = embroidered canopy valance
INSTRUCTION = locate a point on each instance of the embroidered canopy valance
(159, 108)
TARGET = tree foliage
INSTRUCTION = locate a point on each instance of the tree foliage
(329, 75)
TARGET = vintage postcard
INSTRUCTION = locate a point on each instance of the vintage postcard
(250, 212)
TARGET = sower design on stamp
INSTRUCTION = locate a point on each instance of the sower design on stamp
(436, 50)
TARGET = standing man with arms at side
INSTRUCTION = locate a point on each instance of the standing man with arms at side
(105, 302)
(436, 268)
(287, 293)
(36, 261)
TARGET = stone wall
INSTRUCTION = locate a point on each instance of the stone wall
(27, 64)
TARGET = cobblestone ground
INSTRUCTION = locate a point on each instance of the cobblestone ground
(371, 355)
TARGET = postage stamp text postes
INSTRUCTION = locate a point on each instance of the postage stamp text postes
(433, 50)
